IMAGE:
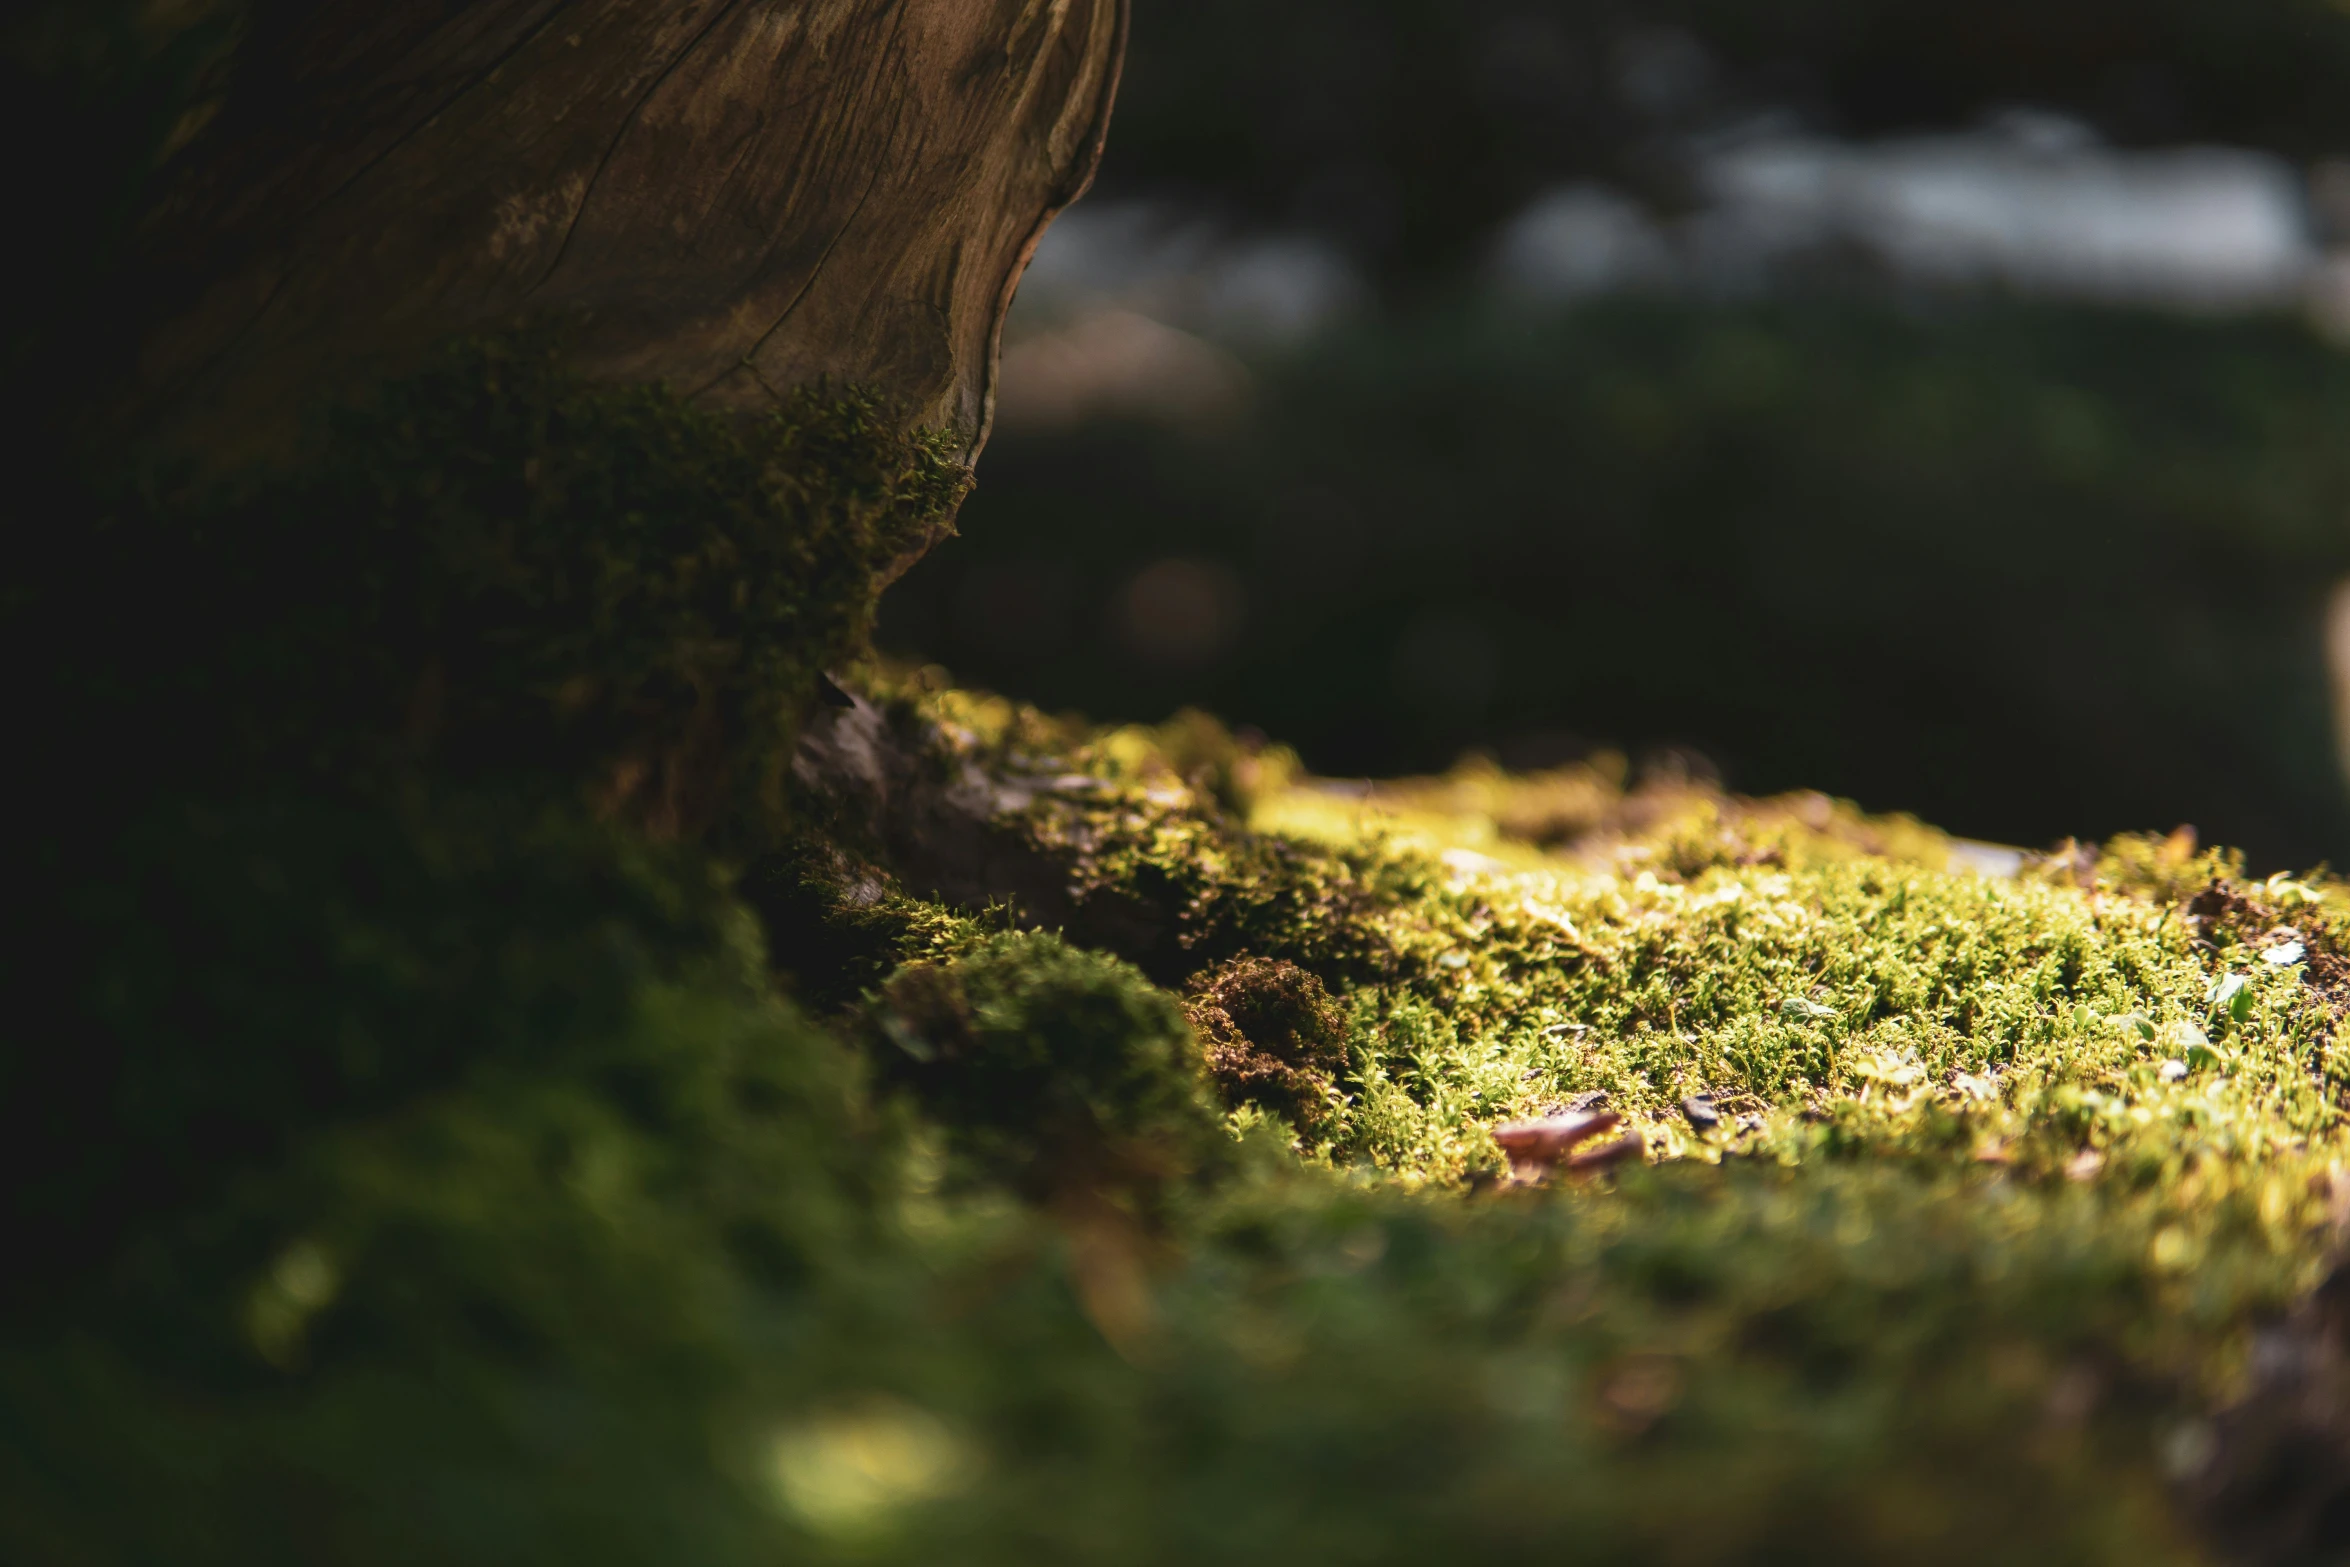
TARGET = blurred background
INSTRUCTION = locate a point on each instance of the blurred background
(1944, 405)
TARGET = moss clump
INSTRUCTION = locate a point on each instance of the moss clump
(1272, 1038)
(235, 977)
(1054, 1069)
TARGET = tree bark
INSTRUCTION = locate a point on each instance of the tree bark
(735, 197)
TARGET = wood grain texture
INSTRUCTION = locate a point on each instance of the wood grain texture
(731, 196)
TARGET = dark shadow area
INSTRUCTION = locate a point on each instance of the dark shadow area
(2025, 571)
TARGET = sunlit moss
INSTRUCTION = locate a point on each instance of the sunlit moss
(1999, 1170)
(1829, 979)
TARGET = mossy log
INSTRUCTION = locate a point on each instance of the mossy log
(735, 197)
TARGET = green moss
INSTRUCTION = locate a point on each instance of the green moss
(838, 924)
(1844, 1364)
(2006, 1172)
(1803, 964)
(507, 1317)
(1054, 1068)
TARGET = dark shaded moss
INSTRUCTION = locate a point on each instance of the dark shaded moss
(505, 1320)
(494, 570)
(1054, 1068)
(405, 1154)
(237, 975)
(838, 925)
(362, 776)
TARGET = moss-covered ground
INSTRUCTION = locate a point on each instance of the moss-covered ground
(470, 1101)
(1968, 1173)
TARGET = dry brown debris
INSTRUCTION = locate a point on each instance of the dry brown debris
(1271, 1037)
(1557, 1143)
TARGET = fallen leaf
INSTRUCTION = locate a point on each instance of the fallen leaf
(1631, 1146)
(1543, 1143)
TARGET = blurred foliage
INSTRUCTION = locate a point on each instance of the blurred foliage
(2029, 572)
(498, 1316)
(1406, 129)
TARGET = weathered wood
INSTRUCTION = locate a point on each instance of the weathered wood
(731, 196)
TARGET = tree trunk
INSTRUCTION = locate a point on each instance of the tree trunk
(735, 197)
